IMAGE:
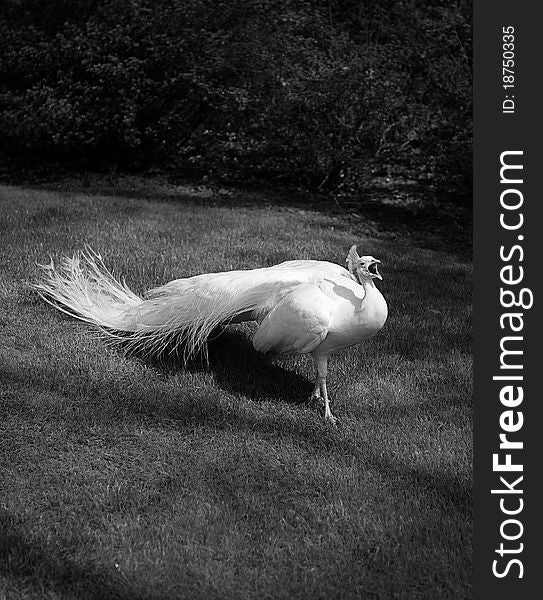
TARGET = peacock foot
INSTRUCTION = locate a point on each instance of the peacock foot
(330, 419)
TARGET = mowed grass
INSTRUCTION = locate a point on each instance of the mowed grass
(125, 477)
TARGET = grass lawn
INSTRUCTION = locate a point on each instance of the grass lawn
(124, 477)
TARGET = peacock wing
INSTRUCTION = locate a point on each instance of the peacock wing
(297, 324)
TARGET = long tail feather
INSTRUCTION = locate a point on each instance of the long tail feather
(182, 312)
(82, 287)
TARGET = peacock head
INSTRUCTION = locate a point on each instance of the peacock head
(365, 267)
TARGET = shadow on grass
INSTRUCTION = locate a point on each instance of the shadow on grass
(41, 567)
(109, 402)
(430, 220)
(29, 562)
(111, 406)
(237, 368)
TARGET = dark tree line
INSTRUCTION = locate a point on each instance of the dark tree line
(316, 93)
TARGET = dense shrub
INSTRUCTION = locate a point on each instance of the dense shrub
(316, 93)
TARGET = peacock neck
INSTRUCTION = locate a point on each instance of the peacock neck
(365, 282)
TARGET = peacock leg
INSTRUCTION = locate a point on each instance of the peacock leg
(322, 371)
(328, 416)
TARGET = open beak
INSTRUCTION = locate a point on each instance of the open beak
(374, 270)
